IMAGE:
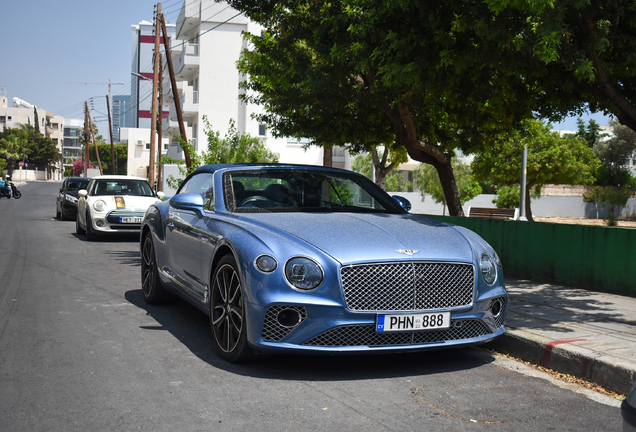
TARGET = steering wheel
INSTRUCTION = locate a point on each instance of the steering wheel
(253, 199)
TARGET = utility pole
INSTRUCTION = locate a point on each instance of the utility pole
(90, 122)
(86, 160)
(110, 129)
(153, 109)
(175, 91)
(160, 124)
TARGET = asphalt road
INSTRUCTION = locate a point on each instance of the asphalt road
(80, 350)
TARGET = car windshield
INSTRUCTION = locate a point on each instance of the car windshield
(304, 191)
(75, 185)
(122, 187)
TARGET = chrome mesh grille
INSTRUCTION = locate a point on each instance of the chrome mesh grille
(499, 319)
(365, 335)
(407, 286)
(272, 330)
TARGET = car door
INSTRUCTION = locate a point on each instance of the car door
(184, 234)
(60, 196)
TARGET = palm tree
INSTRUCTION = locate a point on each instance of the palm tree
(12, 148)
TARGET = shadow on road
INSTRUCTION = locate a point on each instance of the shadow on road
(191, 327)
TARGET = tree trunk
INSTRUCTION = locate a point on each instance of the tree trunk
(379, 168)
(447, 178)
(421, 151)
(327, 156)
(528, 209)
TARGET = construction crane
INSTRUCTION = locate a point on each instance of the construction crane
(108, 83)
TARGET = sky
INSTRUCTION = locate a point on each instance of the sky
(48, 45)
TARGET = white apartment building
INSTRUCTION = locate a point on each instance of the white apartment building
(207, 46)
(143, 44)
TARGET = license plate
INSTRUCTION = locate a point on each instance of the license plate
(136, 220)
(412, 322)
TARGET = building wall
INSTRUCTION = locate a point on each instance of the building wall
(138, 140)
(218, 44)
(143, 44)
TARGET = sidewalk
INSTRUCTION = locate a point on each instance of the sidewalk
(583, 333)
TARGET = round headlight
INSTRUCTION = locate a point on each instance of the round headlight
(266, 263)
(496, 258)
(99, 205)
(304, 273)
(488, 269)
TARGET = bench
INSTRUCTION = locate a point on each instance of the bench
(493, 213)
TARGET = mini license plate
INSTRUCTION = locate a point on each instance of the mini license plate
(412, 322)
(136, 220)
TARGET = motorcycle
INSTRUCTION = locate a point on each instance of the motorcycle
(5, 193)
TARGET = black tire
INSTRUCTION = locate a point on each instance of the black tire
(154, 292)
(91, 235)
(57, 213)
(78, 228)
(227, 313)
(17, 194)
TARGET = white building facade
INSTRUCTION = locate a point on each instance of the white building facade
(208, 44)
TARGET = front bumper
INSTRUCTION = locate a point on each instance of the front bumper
(111, 222)
(337, 330)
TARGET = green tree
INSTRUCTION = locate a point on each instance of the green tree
(615, 151)
(236, 147)
(427, 181)
(508, 196)
(12, 148)
(591, 133)
(383, 165)
(584, 51)
(552, 159)
(615, 197)
(121, 157)
(427, 76)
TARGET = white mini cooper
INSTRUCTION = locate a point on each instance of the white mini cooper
(113, 204)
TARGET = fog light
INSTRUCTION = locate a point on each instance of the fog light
(288, 318)
(495, 308)
(99, 223)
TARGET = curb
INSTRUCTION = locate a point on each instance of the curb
(610, 372)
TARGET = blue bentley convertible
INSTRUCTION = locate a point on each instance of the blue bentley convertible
(314, 259)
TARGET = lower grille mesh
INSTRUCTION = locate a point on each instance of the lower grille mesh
(272, 330)
(365, 335)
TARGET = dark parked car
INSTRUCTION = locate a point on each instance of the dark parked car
(67, 197)
(317, 260)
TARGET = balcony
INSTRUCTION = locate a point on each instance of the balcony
(189, 104)
(189, 19)
(166, 88)
(186, 66)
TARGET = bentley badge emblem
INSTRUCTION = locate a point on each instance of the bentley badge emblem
(409, 252)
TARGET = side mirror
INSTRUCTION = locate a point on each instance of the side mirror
(82, 193)
(160, 195)
(403, 202)
(188, 201)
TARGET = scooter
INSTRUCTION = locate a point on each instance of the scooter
(5, 193)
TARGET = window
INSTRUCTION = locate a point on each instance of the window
(261, 129)
(201, 184)
(147, 146)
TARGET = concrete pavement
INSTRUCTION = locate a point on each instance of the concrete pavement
(583, 333)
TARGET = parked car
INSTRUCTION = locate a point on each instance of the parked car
(113, 204)
(628, 411)
(67, 197)
(317, 260)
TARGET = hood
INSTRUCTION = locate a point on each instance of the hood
(133, 203)
(359, 237)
